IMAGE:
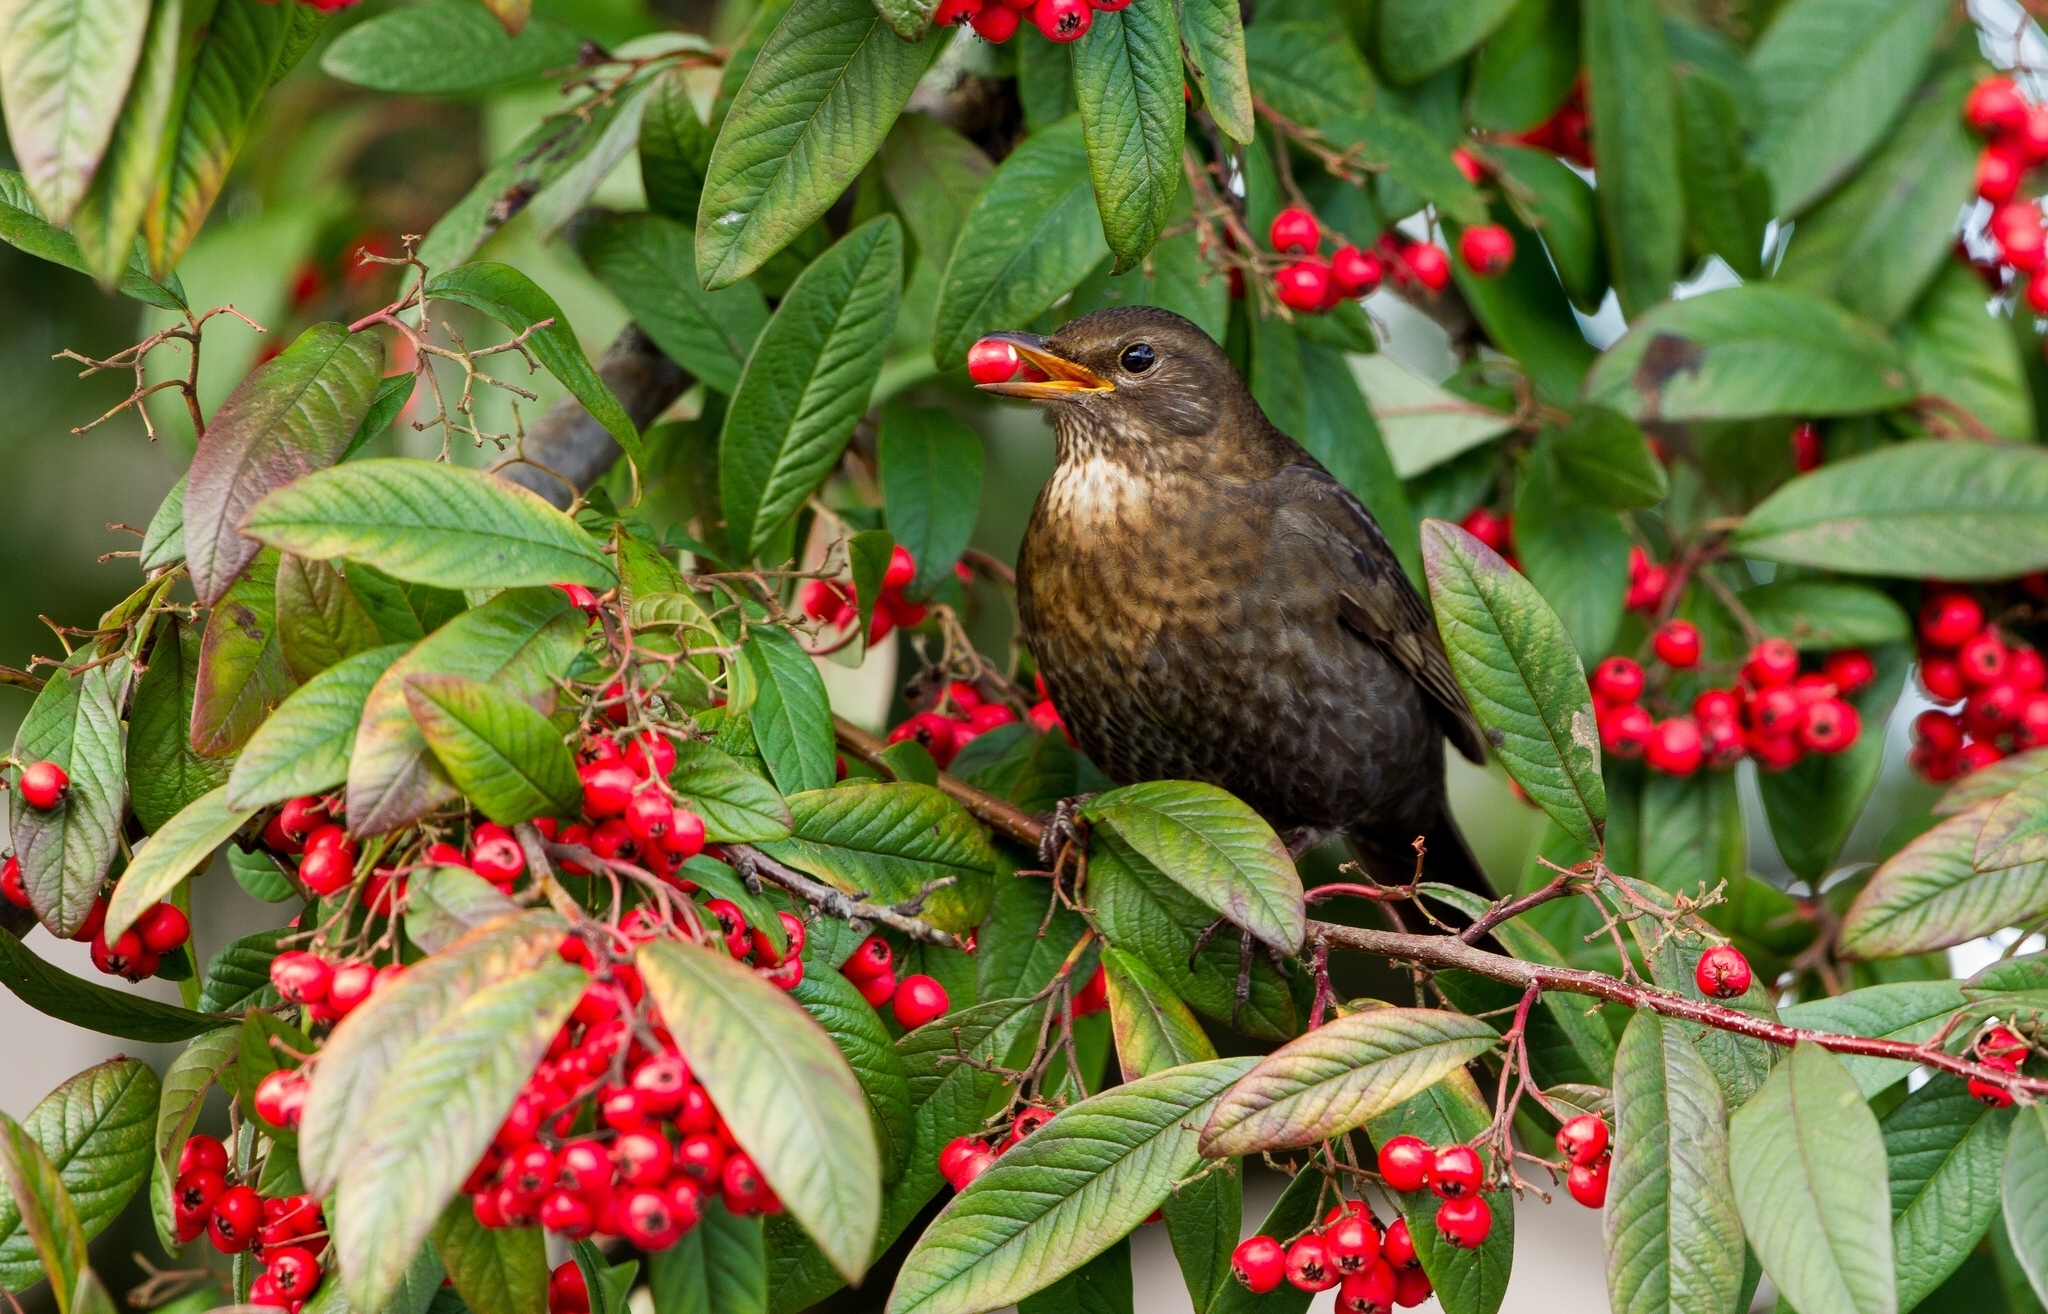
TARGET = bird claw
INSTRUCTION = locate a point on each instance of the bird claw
(1063, 829)
(1241, 994)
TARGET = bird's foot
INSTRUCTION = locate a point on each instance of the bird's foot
(1241, 995)
(1064, 833)
(1305, 838)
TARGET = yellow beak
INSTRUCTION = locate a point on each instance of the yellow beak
(1064, 378)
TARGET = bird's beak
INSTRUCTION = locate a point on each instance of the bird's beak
(1064, 379)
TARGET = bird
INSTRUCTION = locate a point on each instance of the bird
(1205, 601)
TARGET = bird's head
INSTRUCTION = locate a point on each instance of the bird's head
(1129, 376)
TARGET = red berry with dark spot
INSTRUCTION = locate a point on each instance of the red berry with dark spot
(1354, 1244)
(1429, 263)
(1309, 1266)
(43, 785)
(918, 1000)
(237, 1214)
(569, 1216)
(1722, 972)
(1294, 231)
(202, 1151)
(1370, 1290)
(1583, 1139)
(301, 977)
(1831, 726)
(194, 1194)
(1302, 285)
(1618, 680)
(1259, 1263)
(1588, 1183)
(1357, 273)
(1950, 619)
(1625, 731)
(647, 1218)
(495, 854)
(1062, 20)
(1678, 644)
(1982, 658)
(1404, 1163)
(642, 1158)
(1454, 1171)
(649, 815)
(1487, 250)
(294, 1270)
(1465, 1221)
(1772, 662)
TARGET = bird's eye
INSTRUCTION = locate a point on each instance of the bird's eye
(1138, 358)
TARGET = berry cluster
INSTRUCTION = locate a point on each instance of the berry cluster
(1567, 132)
(2002, 1048)
(2002, 686)
(1372, 1270)
(286, 1233)
(1583, 1141)
(328, 991)
(1773, 712)
(838, 605)
(630, 814)
(1313, 285)
(1454, 1173)
(915, 1000)
(960, 716)
(163, 928)
(998, 20)
(2017, 140)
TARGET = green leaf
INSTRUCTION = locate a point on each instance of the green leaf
(520, 304)
(65, 851)
(1526, 68)
(737, 805)
(1576, 556)
(319, 620)
(369, 1046)
(1103, 1285)
(1911, 1011)
(554, 146)
(242, 671)
(1518, 668)
(109, 215)
(304, 746)
(934, 174)
(1308, 70)
(163, 543)
(785, 1090)
(164, 773)
(675, 149)
(94, 1132)
(500, 1270)
(22, 225)
(1175, 277)
(238, 977)
(1929, 894)
(1154, 1029)
(65, 66)
(1819, 615)
(931, 488)
(1808, 1165)
(1873, 244)
(1727, 198)
(1632, 100)
(521, 641)
(442, 48)
(1833, 75)
(834, 1003)
(1969, 357)
(1748, 352)
(503, 755)
(291, 416)
(434, 1116)
(2025, 1194)
(185, 1083)
(1216, 848)
(1814, 805)
(1673, 1238)
(1339, 1076)
(1605, 460)
(1945, 1150)
(815, 107)
(890, 840)
(1063, 1196)
(1692, 832)
(1212, 38)
(648, 262)
(184, 844)
(1528, 313)
(1466, 1281)
(1564, 210)
(1418, 37)
(259, 875)
(719, 1267)
(402, 611)
(431, 523)
(446, 903)
(1411, 157)
(1032, 235)
(220, 86)
(807, 383)
(792, 719)
(56, 993)
(1994, 781)
(1127, 73)
(2016, 829)
(1424, 426)
(44, 1213)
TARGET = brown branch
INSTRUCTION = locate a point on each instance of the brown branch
(750, 861)
(997, 814)
(567, 445)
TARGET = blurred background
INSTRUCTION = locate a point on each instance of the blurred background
(332, 172)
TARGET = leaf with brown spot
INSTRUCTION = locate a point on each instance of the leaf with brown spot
(242, 671)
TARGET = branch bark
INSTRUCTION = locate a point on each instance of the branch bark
(568, 442)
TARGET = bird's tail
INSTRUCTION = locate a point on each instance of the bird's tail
(1389, 857)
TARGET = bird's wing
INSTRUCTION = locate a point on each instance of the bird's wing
(1376, 601)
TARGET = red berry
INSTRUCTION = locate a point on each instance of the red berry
(329, 864)
(568, 1216)
(1094, 996)
(1851, 670)
(281, 1098)
(1404, 1163)
(607, 788)
(902, 569)
(1294, 231)
(583, 1168)
(1678, 644)
(871, 959)
(300, 817)
(1807, 451)
(1977, 755)
(301, 977)
(701, 1158)
(1943, 679)
(1487, 250)
(1995, 106)
(1062, 20)
(530, 1172)
(1429, 263)
(647, 1218)
(1411, 1287)
(567, 1291)
(940, 735)
(11, 887)
(741, 1179)
(1370, 1290)
(1397, 1247)
(1357, 273)
(1722, 972)
(2030, 719)
(202, 1151)
(1465, 1221)
(1990, 710)
(648, 816)
(877, 990)
(955, 1156)
(1496, 531)
(919, 999)
(43, 785)
(1259, 1263)
(1303, 285)
(1618, 680)
(988, 361)
(651, 755)
(1625, 731)
(1999, 169)
(1583, 1139)
(294, 1270)
(1454, 1171)
(642, 1158)
(1675, 747)
(1468, 164)
(194, 1193)
(1831, 726)
(163, 927)
(1982, 658)
(1989, 1094)
(236, 1216)
(1950, 619)
(1354, 1244)
(1588, 1183)
(1309, 1266)
(1772, 662)
(1939, 731)
(1025, 1123)
(1716, 705)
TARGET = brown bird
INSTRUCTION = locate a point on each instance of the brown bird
(1206, 602)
